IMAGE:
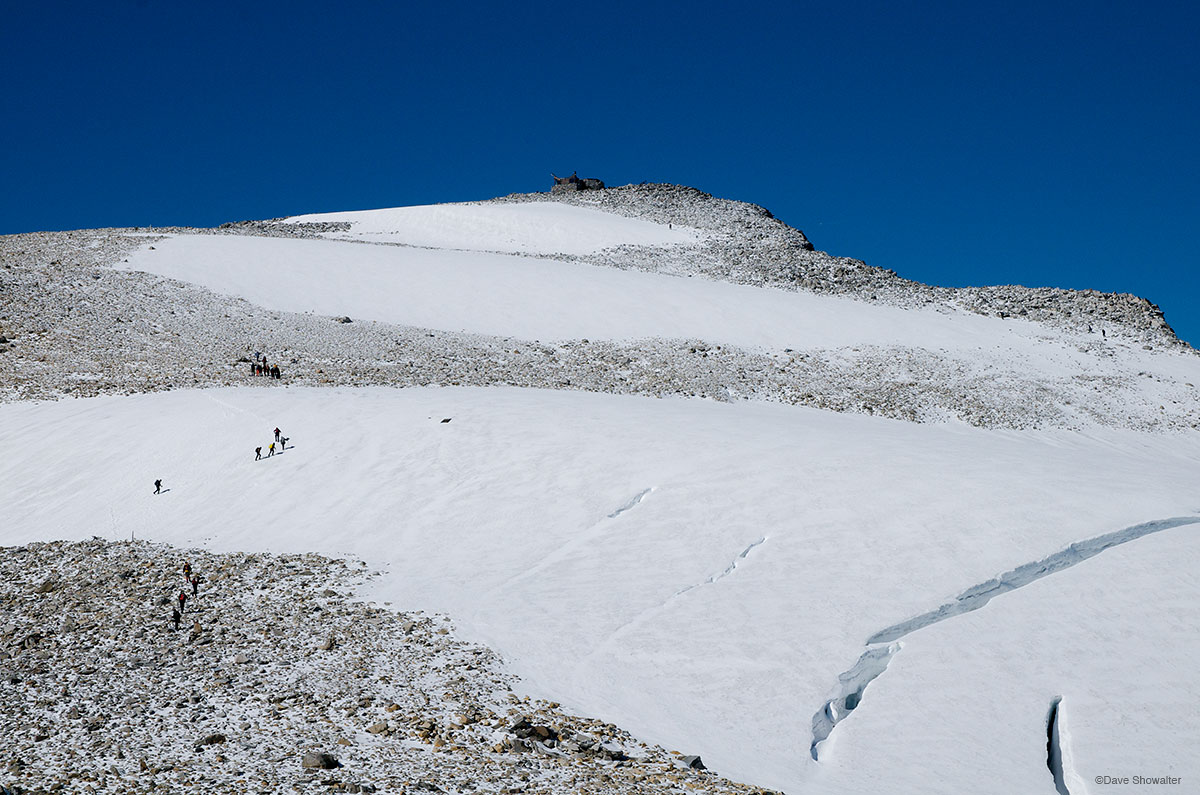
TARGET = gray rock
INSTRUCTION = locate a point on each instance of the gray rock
(320, 761)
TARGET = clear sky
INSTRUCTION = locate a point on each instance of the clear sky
(957, 143)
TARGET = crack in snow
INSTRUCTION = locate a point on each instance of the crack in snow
(1054, 759)
(874, 660)
(979, 595)
(728, 570)
(851, 685)
(629, 504)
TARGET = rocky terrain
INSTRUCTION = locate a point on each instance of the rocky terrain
(72, 326)
(277, 680)
(748, 245)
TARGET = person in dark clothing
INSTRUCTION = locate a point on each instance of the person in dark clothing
(282, 443)
(257, 453)
(183, 597)
(271, 450)
(158, 486)
(277, 434)
(195, 584)
(253, 369)
(175, 616)
(275, 371)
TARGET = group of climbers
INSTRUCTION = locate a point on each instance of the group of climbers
(193, 579)
(280, 439)
(260, 367)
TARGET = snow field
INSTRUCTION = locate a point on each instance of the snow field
(544, 299)
(697, 573)
(533, 228)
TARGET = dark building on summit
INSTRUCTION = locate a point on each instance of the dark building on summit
(574, 182)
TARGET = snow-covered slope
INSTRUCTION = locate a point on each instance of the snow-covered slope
(1028, 373)
(698, 572)
(818, 601)
(545, 299)
(535, 228)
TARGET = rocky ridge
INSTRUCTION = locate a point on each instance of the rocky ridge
(277, 680)
(748, 245)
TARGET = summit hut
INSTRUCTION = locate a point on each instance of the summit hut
(574, 183)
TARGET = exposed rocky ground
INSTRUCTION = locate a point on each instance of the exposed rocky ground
(276, 681)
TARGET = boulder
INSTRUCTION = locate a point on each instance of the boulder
(319, 761)
(212, 739)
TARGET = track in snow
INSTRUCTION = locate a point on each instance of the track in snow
(610, 640)
(587, 537)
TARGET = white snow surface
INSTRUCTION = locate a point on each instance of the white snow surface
(699, 573)
(546, 299)
(540, 299)
(532, 228)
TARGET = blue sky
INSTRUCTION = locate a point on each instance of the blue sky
(1031, 143)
